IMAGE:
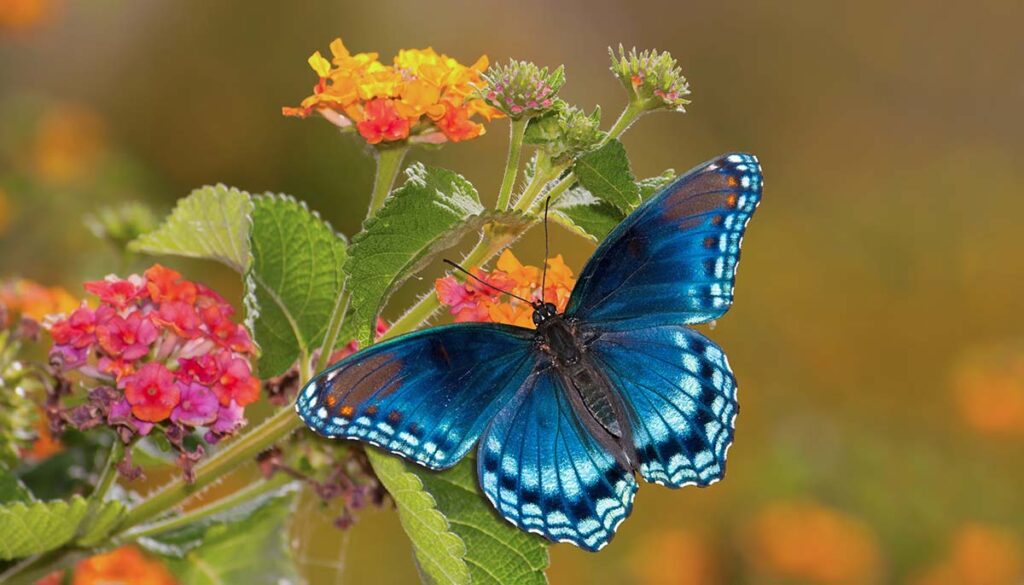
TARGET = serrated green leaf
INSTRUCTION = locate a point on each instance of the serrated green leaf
(586, 215)
(439, 551)
(496, 551)
(37, 527)
(212, 222)
(105, 519)
(11, 488)
(431, 211)
(294, 279)
(652, 185)
(606, 174)
(253, 551)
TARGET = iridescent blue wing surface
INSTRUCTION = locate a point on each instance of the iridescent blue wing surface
(673, 260)
(546, 473)
(427, 395)
(681, 398)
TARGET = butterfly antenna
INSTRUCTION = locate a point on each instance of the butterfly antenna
(544, 274)
(484, 282)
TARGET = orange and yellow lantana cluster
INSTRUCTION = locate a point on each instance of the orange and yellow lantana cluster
(25, 298)
(474, 301)
(424, 94)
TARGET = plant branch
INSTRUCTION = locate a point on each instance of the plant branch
(243, 449)
(517, 130)
(389, 162)
(240, 497)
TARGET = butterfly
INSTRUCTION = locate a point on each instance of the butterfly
(567, 414)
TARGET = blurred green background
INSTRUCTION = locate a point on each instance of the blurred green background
(877, 334)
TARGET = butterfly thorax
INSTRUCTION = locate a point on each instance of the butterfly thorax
(588, 390)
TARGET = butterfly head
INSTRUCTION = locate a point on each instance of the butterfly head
(543, 312)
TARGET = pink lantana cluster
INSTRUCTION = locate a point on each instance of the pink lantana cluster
(158, 350)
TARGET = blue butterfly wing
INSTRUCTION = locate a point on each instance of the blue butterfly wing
(546, 473)
(681, 396)
(673, 260)
(427, 395)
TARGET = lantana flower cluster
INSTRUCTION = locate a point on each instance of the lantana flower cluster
(423, 94)
(157, 350)
(653, 80)
(474, 301)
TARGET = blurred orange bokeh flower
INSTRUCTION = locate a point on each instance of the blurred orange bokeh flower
(123, 566)
(988, 385)
(69, 141)
(979, 555)
(676, 557)
(424, 93)
(808, 542)
(18, 15)
(30, 299)
(45, 444)
(473, 301)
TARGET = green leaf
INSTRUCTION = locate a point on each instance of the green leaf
(294, 279)
(496, 551)
(212, 223)
(605, 173)
(11, 488)
(105, 519)
(430, 212)
(439, 551)
(651, 185)
(586, 215)
(253, 550)
(29, 528)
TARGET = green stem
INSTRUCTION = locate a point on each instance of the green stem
(109, 474)
(333, 329)
(517, 130)
(389, 162)
(240, 497)
(630, 114)
(30, 569)
(243, 449)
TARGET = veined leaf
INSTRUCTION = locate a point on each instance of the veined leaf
(430, 212)
(99, 525)
(583, 213)
(294, 279)
(586, 215)
(652, 185)
(606, 174)
(11, 488)
(37, 527)
(253, 550)
(496, 551)
(212, 222)
(439, 551)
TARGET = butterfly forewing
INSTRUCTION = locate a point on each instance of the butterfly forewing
(674, 259)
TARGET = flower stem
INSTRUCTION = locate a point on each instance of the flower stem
(389, 162)
(629, 114)
(243, 449)
(240, 497)
(105, 482)
(333, 329)
(517, 130)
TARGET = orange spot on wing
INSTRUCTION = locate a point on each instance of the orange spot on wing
(732, 181)
(394, 416)
(731, 201)
(332, 400)
(371, 410)
(346, 411)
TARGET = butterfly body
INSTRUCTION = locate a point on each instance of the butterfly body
(589, 391)
(566, 416)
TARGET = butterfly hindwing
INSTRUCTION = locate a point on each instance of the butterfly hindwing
(673, 260)
(682, 397)
(427, 395)
(546, 473)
